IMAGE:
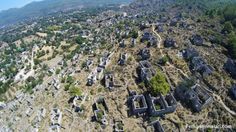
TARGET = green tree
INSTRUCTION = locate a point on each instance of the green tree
(158, 84)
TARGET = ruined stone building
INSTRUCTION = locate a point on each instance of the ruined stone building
(146, 71)
(161, 105)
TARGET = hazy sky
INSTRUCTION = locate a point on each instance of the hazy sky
(6, 4)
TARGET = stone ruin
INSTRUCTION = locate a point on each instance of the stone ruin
(100, 108)
(38, 118)
(119, 126)
(233, 91)
(55, 83)
(157, 126)
(123, 59)
(197, 40)
(139, 104)
(145, 54)
(133, 42)
(89, 63)
(161, 105)
(109, 81)
(97, 73)
(56, 119)
(230, 67)
(122, 44)
(146, 71)
(77, 103)
(199, 65)
(196, 97)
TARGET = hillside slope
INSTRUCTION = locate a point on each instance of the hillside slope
(45, 7)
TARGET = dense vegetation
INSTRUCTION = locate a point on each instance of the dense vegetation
(229, 15)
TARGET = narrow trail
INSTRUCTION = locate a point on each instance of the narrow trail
(179, 70)
(219, 100)
(159, 39)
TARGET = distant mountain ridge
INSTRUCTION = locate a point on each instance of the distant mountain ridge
(153, 4)
(45, 7)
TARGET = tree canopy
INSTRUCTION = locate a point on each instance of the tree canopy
(158, 84)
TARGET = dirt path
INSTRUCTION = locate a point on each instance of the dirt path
(219, 100)
(159, 39)
(179, 70)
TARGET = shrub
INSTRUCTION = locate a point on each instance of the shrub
(100, 115)
(74, 91)
(58, 71)
(67, 87)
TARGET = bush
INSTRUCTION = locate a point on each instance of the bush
(74, 91)
(158, 84)
(100, 115)
(67, 87)
(58, 71)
